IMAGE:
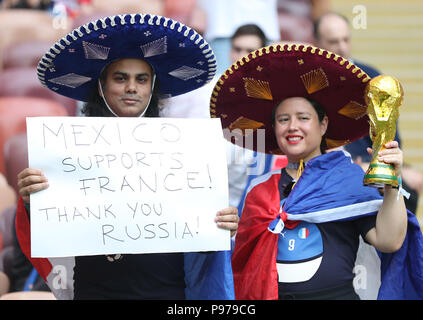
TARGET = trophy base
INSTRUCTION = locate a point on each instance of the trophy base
(374, 184)
(380, 174)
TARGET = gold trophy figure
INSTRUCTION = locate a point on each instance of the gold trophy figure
(383, 95)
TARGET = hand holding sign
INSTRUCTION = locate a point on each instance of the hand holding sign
(30, 181)
(126, 186)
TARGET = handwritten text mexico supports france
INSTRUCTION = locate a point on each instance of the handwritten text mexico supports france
(127, 185)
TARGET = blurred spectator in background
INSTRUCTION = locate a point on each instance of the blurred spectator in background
(332, 32)
(196, 104)
(188, 12)
(247, 38)
(296, 18)
(224, 17)
(27, 4)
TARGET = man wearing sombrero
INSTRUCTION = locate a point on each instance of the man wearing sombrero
(299, 231)
(121, 66)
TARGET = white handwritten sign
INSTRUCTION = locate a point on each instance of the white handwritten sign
(127, 185)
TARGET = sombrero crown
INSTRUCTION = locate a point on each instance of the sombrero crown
(180, 57)
(246, 94)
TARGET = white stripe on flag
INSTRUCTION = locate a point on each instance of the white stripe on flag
(339, 213)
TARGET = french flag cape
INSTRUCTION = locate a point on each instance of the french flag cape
(330, 188)
(208, 276)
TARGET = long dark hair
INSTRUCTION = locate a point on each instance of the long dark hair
(320, 115)
(95, 106)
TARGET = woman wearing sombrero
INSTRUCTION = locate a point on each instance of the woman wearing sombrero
(121, 66)
(299, 230)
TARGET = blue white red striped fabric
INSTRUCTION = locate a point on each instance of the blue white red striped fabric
(333, 178)
(330, 188)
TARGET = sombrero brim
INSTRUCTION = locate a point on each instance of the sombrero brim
(246, 94)
(181, 58)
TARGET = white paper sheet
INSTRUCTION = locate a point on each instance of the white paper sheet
(127, 185)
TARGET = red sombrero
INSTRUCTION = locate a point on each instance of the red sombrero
(246, 94)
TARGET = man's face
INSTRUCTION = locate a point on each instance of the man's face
(243, 45)
(335, 35)
(128, 87)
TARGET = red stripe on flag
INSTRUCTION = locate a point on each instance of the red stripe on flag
(23, 232)
(279, 162)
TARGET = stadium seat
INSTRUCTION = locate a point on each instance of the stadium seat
(82, 19)
(7, 217)
(19, 25)
(8, 195)
(13, 113)
(6, 260)
(295, 29)
(25, 54)
(23, 82)
(128, 6)
(16, 158)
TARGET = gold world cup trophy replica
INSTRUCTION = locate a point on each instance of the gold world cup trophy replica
(383, 95)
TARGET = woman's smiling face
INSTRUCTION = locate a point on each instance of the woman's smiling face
(298, 130)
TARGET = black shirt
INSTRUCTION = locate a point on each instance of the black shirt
(132, 276)
(323, 255)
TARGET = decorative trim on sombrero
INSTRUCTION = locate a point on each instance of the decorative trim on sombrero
(155, 47)
(185, 73)
(354, 110)
(70, 80)
(315, 80)
(252, 86)
(95, 51)
(244, 124)
(331, 144)
(287, 47)
(191, 58)
(257, 89)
